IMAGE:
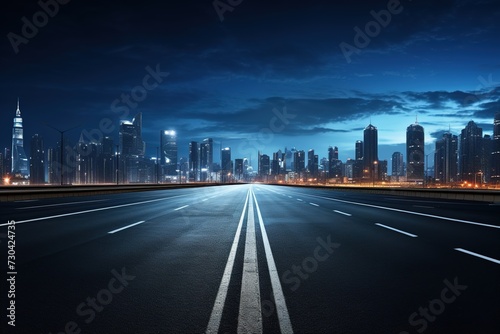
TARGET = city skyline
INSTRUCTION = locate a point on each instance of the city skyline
(231, 79)
(461, 158)
(96, 133)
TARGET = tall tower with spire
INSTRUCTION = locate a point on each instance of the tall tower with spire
(18, 156)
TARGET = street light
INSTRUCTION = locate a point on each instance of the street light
(117, 165)
(157, 177)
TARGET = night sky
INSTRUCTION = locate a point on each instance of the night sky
(270, 75)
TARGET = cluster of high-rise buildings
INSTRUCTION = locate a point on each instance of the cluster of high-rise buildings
(467, 158)
(365, 167)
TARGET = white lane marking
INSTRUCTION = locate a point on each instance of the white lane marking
(396, 230)
(182, 207)
(26, 201)
(216, 315)
(405, 211)
(93, 210)
(427, 201)
(298, 199)
(59, 204)
(314, 204)
(342, 213)
(250, 314)
(478, 255)
(123, 228)
(423, 206)
(279, 297)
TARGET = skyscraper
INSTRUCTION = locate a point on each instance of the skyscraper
(397, 165)
(359, 150)
(470, 152)
(487, 149)
(415, 153)
(131, 143)
(226, 164)
(239, 168)
(107, 161)
(446, 159)
(312, 163)
(168, 152)
(18, 156)
(37, 160)
(495, 154)
(193, 162)
(264, 166)
(289, 161)
(299, 162)
(54, 165)
(370, 152)
(206, 158)
(334, 164)
(7, 161)
(132, 149)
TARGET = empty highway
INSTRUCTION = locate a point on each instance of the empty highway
(252, 259)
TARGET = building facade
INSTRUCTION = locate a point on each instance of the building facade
(415, 153)
(495, 148)
(470, 152)
(168, 152)
(446, 159)
(370, 152)
(37, 160)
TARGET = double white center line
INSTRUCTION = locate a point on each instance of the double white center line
(250, 315)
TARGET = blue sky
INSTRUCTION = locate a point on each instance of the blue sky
(229, 79)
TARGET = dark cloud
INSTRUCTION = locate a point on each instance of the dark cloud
(227, 78)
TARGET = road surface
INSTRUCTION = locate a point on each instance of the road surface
(252, 259)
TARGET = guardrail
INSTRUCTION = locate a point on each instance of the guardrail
(492, 196)
(19, 193)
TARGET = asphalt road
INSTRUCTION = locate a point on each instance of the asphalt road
(251, 259)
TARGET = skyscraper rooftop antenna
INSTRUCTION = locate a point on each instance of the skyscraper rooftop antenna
(18, 111)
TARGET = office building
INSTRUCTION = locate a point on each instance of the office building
(486, 159)
(299, 162)
(312, 163)
(359, 150)
(193, 162)
(168, 152)
(370, 152)
(397, 166)
(206, 159)
(495, 151)
(264, 166)
(446, 159)
(226, 165)
(415, 153)
(334, 165)
(470, 152)
(37, 160)
(239, 169)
